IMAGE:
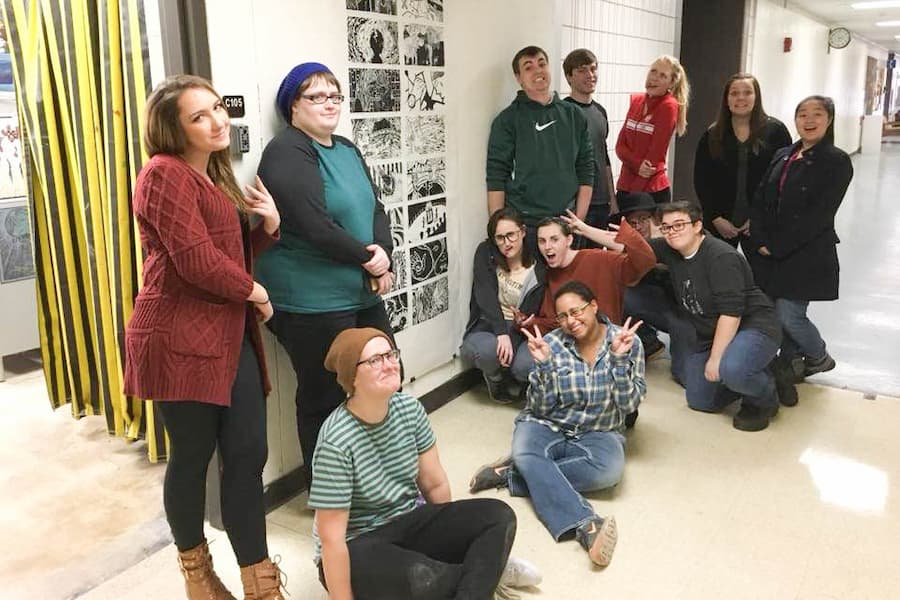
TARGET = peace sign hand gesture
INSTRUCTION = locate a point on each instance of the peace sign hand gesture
(537, 346)
(624, 340)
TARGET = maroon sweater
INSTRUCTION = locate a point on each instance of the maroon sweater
(605, 272)
(183, 340)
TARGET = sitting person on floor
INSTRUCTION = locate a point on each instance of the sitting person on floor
(738, 334)
(506, 280)
(651, 300)
(375, 454)
(588, 376)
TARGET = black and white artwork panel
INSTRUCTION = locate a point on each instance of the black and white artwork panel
(430, 300)
(385, 7)
(398, 311)
(422, 10)
(425, 178)
(427, 261)
(427, 219)
(424, 135)
(424, 90)
(423, 45)
(372, 41)
(378, 138)
(374, 90)
(398, 225)
(400, 266)
(388, 178)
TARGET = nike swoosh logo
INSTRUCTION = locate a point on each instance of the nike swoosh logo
(544, 126)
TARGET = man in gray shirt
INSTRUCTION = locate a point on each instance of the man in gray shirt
(580, 68)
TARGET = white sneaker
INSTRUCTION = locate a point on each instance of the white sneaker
(520, 573)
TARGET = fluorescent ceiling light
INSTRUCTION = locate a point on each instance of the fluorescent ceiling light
(876, 4)
(888, 23)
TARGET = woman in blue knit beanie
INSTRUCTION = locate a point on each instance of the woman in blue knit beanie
(333, 261)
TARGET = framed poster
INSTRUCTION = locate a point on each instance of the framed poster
(16, 254)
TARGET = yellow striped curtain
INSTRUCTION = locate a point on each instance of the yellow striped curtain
(81, 73)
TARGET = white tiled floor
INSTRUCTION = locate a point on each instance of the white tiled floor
(807, 509)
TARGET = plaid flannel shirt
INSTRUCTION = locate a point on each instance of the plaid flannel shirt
(568, 395)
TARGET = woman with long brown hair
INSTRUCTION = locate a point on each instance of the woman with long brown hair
(193, 342)
(732, 156)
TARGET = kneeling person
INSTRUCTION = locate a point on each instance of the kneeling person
(738, 333)
(588, 376)
(375, 453)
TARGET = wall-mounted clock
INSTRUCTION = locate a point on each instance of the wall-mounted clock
(839, 37)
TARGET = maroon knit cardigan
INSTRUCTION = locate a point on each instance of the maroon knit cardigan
(183, 341)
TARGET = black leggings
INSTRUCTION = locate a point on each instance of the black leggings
(307, 338)
(659, 197)
(195, 428)
(436, 551)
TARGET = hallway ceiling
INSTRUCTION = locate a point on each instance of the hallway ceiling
(839, 13)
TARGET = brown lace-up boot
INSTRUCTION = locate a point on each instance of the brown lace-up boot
(200, 581)
(262, 581)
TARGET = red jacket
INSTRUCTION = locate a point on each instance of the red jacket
(645, 135)
(607, 273)
(183, 340)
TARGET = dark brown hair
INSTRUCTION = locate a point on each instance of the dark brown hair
(578, 58)
(758, 118)
(691, 209)
(527, 51)
(508, 213)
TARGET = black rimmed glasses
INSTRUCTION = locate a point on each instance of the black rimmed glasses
(676, 227)
(511, 238)
(572, 312)
(638, 221)
(379, 360)
(322, 98)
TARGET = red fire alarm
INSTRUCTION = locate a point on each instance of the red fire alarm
(787, 44)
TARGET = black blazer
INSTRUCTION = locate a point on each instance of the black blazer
(715, 179)
(797, 224)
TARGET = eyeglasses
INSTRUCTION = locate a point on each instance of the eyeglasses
(511, 237)
(321, 98)
(378, 361)
(677, 226)
(572, 312)
(636, 221)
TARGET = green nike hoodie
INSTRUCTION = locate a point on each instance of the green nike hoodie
(539, 154)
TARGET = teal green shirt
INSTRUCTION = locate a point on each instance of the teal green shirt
(301, 278)
(369, 469)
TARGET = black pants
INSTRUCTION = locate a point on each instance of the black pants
(307, 338)
(437, 551)
(239, 430)
(659, 196)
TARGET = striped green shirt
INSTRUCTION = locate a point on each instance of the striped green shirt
(370, 470)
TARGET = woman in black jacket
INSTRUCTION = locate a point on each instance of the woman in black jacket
(507, 286)
(732, 157)
(793, 231)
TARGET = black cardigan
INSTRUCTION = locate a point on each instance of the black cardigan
(797, 224)
(484, 304)
(715, 179)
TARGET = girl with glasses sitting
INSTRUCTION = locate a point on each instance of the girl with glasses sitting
(507, 283)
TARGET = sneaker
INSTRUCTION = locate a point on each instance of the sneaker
(520, 573)
(631, 419)
(598, 536)
(496, 389)
(826, 363)
(492, 475)
(753, 418)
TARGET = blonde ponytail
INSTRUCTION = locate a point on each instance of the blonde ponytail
(681, 90)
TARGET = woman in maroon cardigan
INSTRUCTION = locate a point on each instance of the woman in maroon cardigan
(193, 342)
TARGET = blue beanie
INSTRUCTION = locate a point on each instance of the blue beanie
(287, 91)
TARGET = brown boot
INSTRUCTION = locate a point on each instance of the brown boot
(262, 581)
(200, 581)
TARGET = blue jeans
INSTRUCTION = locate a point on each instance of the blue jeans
(480, 349)
(801, 336)
(553, 468)
(743, 370)
(652, 304)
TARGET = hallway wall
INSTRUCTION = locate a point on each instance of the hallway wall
(787, 78)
